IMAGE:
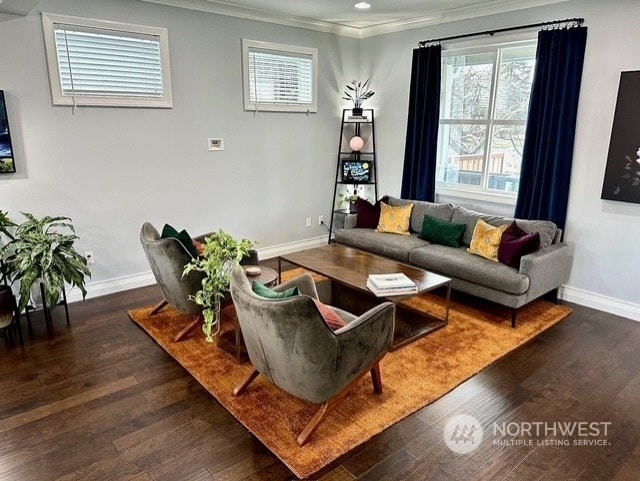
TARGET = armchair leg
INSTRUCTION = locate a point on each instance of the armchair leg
(328, 406)
(376, 379)
(514, 315)
(243, 385)
(185, 332)
(158, 307)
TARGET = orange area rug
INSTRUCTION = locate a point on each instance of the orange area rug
(412, 377)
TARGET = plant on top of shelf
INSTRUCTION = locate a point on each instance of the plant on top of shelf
(358, 92)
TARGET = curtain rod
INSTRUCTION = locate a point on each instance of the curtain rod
(577, 21)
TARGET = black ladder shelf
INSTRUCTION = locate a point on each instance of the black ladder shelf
(356, 170)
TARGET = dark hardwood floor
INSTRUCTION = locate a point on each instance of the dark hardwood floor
(98, 399)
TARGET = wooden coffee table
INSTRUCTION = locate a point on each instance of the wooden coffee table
(347, 269)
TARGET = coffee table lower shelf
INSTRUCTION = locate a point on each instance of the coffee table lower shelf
(410, 324)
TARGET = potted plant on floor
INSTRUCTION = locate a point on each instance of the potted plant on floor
(42, 253)
(220, 254)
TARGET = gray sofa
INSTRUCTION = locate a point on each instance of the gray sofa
(540, 273)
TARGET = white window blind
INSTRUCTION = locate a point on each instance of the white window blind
(279, 77)
(96, 62)
(104, 63)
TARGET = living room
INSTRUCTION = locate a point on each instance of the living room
(112, 169)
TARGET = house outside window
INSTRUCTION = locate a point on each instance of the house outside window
(483, 112)
(279, 77)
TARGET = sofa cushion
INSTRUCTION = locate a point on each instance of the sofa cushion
(546, 228)
(486, 240)
(516, 243)
(422, 208)
(368, 214)
(458, 263)
(441, 232)
(394, 220)
(389, 245)
(470, 217)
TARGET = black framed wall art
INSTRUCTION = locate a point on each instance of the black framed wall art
(622, 173)
(7, 164)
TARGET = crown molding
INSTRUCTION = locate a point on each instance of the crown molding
(223, 8)
(463, 13)
(18, 7)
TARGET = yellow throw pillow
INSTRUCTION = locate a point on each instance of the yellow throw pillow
(486, 240)
(394, 220)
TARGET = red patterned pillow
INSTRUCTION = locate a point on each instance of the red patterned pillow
(515, 243)
(333, 320)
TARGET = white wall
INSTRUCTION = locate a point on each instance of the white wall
(111, 169)
(603, 235)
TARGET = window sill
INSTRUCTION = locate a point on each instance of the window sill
(503, 199)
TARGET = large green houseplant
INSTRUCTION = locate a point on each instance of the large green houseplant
(221, 253)
(41, 250)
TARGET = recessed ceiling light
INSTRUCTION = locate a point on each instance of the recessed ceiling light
(362, 5)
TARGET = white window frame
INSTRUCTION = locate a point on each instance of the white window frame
(478, 193)
(57, 96)
(277, 48)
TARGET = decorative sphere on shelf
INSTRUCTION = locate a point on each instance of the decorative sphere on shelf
(356, 143)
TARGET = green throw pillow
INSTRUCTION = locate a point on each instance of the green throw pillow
(443, 232)
(184, 238)
(264, 291)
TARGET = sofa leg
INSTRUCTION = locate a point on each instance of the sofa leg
(514, 314)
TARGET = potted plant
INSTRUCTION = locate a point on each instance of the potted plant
(42, 252)
(357, 92)
(220, 254)
(349, 199)
(7, 299)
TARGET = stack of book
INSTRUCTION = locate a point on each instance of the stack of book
(396, 284)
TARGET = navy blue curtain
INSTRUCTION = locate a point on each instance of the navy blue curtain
(419, 172)
(551, 126)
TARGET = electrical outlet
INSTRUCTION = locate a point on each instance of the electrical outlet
(320, 219)
(308, 223)
(89, 256)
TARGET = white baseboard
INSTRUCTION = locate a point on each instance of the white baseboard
(567, 293)
(110, 286)
(600, 302)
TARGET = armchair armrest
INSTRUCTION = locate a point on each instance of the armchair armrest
(545, 269)
(364, 339)
(303, 282)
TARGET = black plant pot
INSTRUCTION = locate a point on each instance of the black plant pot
(356, 111)
(7, 305)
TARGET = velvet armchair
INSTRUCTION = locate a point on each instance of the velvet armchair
(290, 344)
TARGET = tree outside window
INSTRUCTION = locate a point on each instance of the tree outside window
(483, 111)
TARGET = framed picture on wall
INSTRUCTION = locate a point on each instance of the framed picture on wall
(622, 173)
(7, 164)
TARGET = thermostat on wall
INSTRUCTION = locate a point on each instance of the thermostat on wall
(216, 144)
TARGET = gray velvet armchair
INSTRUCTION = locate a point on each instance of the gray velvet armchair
(167, 258)
(290, 344)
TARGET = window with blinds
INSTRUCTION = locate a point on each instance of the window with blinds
(94, 62)
(279, 77)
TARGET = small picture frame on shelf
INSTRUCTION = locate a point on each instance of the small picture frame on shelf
(357, 171)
